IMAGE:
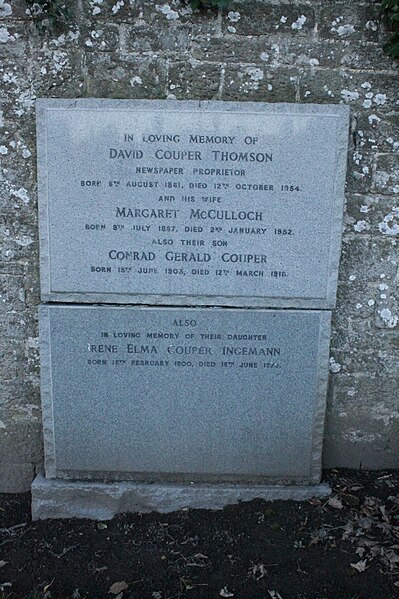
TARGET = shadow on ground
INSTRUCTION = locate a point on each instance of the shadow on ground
(342, 547)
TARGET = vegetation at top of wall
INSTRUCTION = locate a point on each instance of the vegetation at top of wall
(209, 3)
(391, 10)
(56, 14)
(49, 14)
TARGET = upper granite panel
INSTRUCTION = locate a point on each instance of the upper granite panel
(191, 203)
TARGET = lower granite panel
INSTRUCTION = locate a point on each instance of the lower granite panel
(183, 394)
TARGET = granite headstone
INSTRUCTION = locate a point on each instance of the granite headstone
(155, 394)
(191, 203)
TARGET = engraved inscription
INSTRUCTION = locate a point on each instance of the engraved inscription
(190, 203)
(133, 388)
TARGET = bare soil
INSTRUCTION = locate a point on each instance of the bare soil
(342, 547)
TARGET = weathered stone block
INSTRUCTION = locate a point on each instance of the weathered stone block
(374, 363)
(368, 259)
(12, 354)
(17, 97)
(58, 73)
(173, 41)
(12, 293)
(17, 241)
(266, 17)
(354, 21)
(373, 215)
(17, 203)
(100, 37)
(131, 77)
(15, 477)
(234, 49)
(359, 298)
(387, 311)
(376, 130)
(11, 11)
(358, 54)
(262, 84)
(362, 429)
(12, 268)
(14, 325)
(359, 172)
(112, 11)
(14, 40)
(386, 176)
(205, 24)
(192, 80)
(17, 156)
(308, 53)
(364, 90)
(20, 451)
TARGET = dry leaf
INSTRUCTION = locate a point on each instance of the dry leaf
(117, 587)
(226, 593)
(335, 502)
(275, 594)
(384, 513)
(392, 556)
(376, 550)
(46, 588)
(101, 526)
(360, 566)
(314, 501)
(2, 563)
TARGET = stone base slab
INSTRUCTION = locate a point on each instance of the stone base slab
(53, 498)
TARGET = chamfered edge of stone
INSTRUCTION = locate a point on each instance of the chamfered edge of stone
(46, 391)
(102, 501)
(43, 202)
(335, 110)
(338, 206)
(321, 394)
(190, 301)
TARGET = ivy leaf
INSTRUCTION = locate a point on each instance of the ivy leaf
(391, 49)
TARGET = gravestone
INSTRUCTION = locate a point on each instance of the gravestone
(210, 214)
(210, 203)
(183, 394)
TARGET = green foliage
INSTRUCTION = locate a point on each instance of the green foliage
(50, 14)
(209, 3)
(391, 10)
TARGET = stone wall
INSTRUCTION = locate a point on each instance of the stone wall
(321, 51)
